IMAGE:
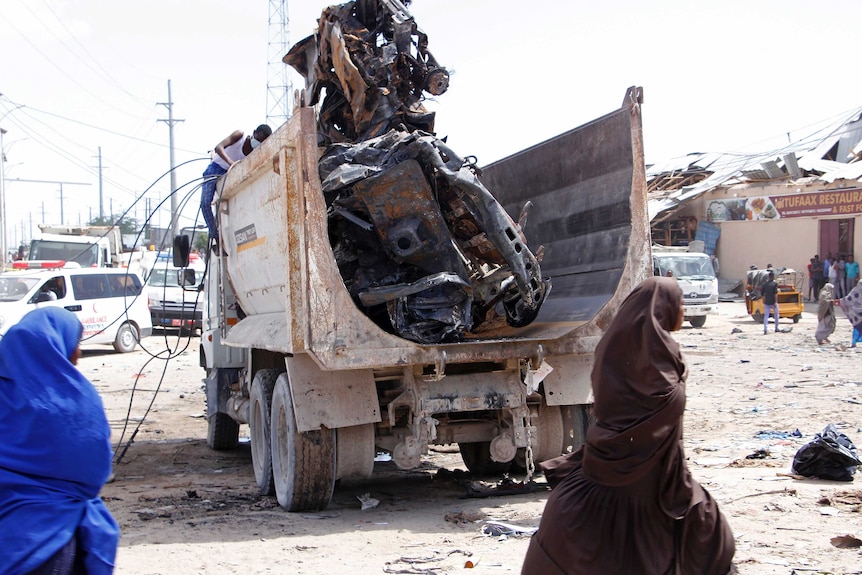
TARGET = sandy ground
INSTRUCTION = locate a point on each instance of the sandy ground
(185, 509)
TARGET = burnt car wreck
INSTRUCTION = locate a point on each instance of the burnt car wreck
(422, 246)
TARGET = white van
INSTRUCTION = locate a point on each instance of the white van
(172, 305)
(108, 302)
(695, 274)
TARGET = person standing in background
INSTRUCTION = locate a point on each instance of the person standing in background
(839, 287)
(818, 277)
(811, 285)
(851, 274)
(851, 305)
(770, 301)
(825, 314)
(833, 272)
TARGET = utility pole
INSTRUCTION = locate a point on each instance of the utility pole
(3, 214)
(61, 193)
(101, 211)
(170, 122)
(2, 202)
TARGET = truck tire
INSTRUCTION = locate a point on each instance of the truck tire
(355, 451)
(797, 317)
(477, 459)
(303, 463)
(260, 410)
(126, 339)
(698, 321)
(550, 437)
(576, 421)
(549, 433)
(757, 316)
(222, 432)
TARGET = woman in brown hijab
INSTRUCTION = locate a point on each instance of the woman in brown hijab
(625, 503)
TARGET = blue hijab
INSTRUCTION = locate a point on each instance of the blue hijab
(55, 451)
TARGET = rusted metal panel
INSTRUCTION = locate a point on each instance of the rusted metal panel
(471, 392)
(332, 399)
(569, 383)
(588, 199)
(267, 331)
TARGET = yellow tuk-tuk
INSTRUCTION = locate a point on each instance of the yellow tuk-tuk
(789, 298)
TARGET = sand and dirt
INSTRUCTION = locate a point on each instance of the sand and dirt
(185, 509)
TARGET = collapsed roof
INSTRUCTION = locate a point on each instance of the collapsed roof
(831, 153)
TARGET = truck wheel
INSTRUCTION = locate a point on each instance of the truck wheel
(355, 451)
(549, 432)
(550, 437)
(697, 321)
(127, 338)
(259, 428)
(757, 316)
(477, 459)
(576, 420)
(797, 317)
(303, 464)
(222, 432)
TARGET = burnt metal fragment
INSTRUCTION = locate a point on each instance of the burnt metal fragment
(423, 247)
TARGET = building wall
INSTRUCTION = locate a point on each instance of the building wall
(787, 242)
(783, 243)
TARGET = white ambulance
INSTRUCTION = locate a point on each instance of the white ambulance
(109, 302)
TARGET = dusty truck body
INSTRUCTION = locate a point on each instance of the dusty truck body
(324, 388)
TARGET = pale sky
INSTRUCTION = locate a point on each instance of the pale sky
(734, 75)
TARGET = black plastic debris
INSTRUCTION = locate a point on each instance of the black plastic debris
(759, 454)
(830, 455)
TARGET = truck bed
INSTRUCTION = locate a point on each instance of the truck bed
(588, 192)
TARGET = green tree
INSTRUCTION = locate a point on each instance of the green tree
(126, 224)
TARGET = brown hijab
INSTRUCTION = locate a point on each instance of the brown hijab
(625, 502)
(639, 390)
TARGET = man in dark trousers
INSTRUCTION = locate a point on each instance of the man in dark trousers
(770, 301)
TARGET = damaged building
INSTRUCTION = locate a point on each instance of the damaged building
(780, 207)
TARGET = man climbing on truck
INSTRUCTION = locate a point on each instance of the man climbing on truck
(232, 149)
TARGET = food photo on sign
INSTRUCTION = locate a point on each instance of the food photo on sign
(760, 208)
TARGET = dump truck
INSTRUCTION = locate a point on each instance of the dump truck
(323, 387)
(374, 291)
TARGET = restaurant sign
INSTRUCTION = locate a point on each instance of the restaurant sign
(825, 203)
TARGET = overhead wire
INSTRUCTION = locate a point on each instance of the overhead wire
(168, 353)
(60, 69)
(98, 67)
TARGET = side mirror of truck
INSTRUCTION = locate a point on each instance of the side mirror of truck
(186, 277)
(181, 251)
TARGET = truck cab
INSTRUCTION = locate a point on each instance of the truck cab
(696, 276)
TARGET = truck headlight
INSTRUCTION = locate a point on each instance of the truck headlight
(713, 299)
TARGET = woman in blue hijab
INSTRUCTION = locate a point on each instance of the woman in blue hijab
(55, 453)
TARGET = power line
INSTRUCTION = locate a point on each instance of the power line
(71, 78)
(99, 69)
